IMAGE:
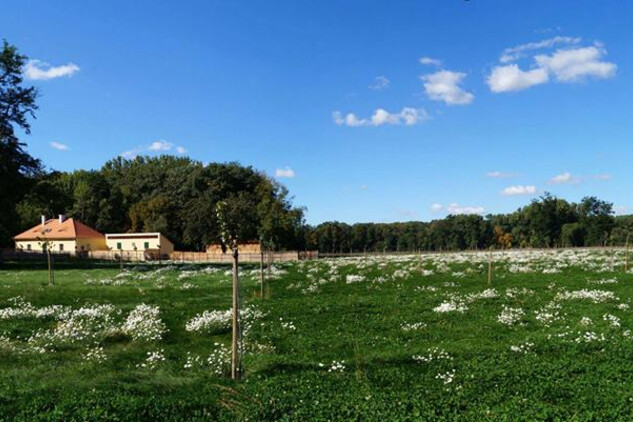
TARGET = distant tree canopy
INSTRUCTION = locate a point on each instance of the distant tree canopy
(173, 195)
(546, 222)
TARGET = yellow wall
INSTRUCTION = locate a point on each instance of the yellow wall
(161, 244)
(92, 244)
(68, 246)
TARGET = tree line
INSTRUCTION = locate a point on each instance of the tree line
(545, 223)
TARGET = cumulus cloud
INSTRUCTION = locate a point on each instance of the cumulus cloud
(570, 64)
(500, 174)
(39, 71)
(132, 153)
(407, 116)
(286, 173)
(514, 53)
(519, 190)
(158, 146)
(565, 178)
(456, 209)
(578, 64)
(59, 146)
(511, 78)
(380, 82)
(444, 85)
(430, 61)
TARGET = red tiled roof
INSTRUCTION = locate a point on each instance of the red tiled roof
(53, 229)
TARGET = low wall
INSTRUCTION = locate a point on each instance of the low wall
(153, 255)
(129, 256)
(243, 257)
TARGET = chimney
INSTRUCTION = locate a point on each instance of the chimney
(62, 217)
(43, 220)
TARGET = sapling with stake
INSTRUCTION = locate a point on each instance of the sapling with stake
(46, 246)
(236, 222)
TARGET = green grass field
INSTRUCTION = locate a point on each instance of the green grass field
(377, 338)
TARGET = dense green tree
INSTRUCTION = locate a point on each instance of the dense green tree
(573, 234)
(17, 167)
(597, 218)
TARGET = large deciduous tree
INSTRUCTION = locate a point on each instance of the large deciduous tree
(17, 167)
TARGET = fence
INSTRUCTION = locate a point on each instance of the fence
(243, 257)
(10, 254)
(153, 255)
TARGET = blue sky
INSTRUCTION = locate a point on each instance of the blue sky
(367, 111)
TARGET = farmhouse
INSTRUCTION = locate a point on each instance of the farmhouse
(60, 235)
(144, 242)
(251, 246)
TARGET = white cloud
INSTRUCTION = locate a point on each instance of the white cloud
(430, 61)
(568, 65)
(39, 71)
(444, 86)
(565, 178)
(286, 173)
(456, 209)
(577, 64)
(408, 116)
(133, 153)
(500, 174)
(160, 145)
(436, 207)
(59, 146)
(514, 53)
(381, 82)
(519, 190)
(603, 176)
(511, 78)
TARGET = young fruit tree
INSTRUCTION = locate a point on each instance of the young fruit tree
(236, 223)
(46, 246)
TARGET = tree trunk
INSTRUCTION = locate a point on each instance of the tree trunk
(234, 362)
(261, 271)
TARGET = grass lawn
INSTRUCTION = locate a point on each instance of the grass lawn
(376, 338)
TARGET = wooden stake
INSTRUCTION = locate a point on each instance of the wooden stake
(234, 360)
(51, 277)
(261, 271)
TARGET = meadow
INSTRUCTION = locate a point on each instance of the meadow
(402, 337)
